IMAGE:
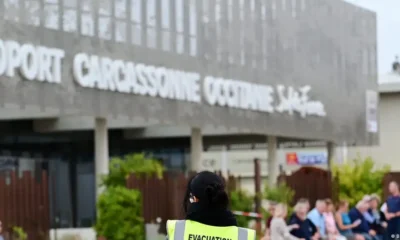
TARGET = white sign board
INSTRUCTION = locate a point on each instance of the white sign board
(372, 99)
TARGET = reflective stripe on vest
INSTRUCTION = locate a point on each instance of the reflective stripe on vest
(180, 226)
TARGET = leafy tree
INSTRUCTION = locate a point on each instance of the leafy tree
(139, 164)
(120, 209)
(241, 201)
(358, 178)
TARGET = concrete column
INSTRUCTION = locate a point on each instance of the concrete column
(272, 160)
(331, 154)
(196, 149)
(101, 151)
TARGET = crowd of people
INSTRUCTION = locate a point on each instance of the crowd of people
(369, 219)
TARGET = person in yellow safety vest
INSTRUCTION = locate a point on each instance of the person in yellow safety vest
(207, 214)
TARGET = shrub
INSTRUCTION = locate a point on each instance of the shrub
(120, 214)
(241, 201)
(120, 209)
(281, 193)
(121, 168)
(19, 233)
(358, 178)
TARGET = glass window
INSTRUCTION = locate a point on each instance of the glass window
(165, 25)
(87, 24)
(217, 19)
(179, 17)
(70, 20)
(136, 11)
(120, 31)
(121, 20)
(294, 8)
(11, 10)
(136, 34)
(104, 21)
(151, 13)
(120, 9)
(61, 211)
(32, 10)
(87, 19)
(86, 194)
(105, 27)
(165, 14)
(136, 22)
(193, 18)
(151, 7)
(105, 7)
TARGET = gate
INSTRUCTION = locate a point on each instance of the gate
(311, 183)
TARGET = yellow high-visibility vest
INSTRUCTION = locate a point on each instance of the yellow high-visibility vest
(191, 230)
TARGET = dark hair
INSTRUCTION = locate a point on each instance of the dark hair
(209, 188)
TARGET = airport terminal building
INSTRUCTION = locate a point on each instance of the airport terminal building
(85, 80)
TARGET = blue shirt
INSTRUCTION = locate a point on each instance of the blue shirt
(393, 206)
(354, 215)
(345, 221)
(318, 219)
(368, 216)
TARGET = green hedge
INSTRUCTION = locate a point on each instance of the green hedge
(120, 209)
(120, 214)
(358, 178)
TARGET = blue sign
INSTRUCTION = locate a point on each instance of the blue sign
(312, 158)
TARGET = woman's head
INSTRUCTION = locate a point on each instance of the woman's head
(329, 205)
(301, 209)
(280, 211)
(271, 208)
(374, 201)
(343, 206)
(394, 187)
(206, 189)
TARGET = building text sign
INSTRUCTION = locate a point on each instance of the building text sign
(44, 64)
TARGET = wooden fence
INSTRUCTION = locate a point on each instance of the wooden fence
(163, 197)
(24, 202)
(311, 183)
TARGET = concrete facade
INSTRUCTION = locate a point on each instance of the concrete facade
(311, 43)
(388, 151)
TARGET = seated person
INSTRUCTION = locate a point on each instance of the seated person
(306, 230)
(316, 216)
(344, 223)
(356, 214)
(379, 223)
(330, 223)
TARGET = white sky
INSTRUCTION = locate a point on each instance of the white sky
(388, 29)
